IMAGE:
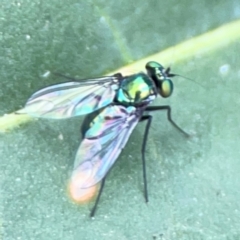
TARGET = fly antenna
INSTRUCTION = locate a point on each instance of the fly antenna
(199, 84)
(169, 74)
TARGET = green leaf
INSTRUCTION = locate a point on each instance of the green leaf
(193, 183)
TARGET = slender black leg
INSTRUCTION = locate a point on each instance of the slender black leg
(149, 120)
(98, 197)
(168, 109)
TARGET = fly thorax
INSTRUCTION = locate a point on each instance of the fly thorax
(136, 89)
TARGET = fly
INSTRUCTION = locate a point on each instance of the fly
(114, 105)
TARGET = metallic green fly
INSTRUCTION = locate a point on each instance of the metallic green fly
(114, 104)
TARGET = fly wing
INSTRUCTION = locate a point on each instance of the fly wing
(71, 99)
(102, 144)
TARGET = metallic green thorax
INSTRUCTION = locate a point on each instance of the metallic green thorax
(136, 89)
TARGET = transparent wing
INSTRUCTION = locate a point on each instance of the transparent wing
(71, 99)
(102, 144)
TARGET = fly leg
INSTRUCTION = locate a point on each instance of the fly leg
(98, 198)
(147, 118)
(169, 116)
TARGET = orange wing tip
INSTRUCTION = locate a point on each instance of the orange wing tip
(78, 194)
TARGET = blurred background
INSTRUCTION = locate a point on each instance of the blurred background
(193, 183)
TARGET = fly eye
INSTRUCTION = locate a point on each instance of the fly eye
(152, 64)
(166, 88)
